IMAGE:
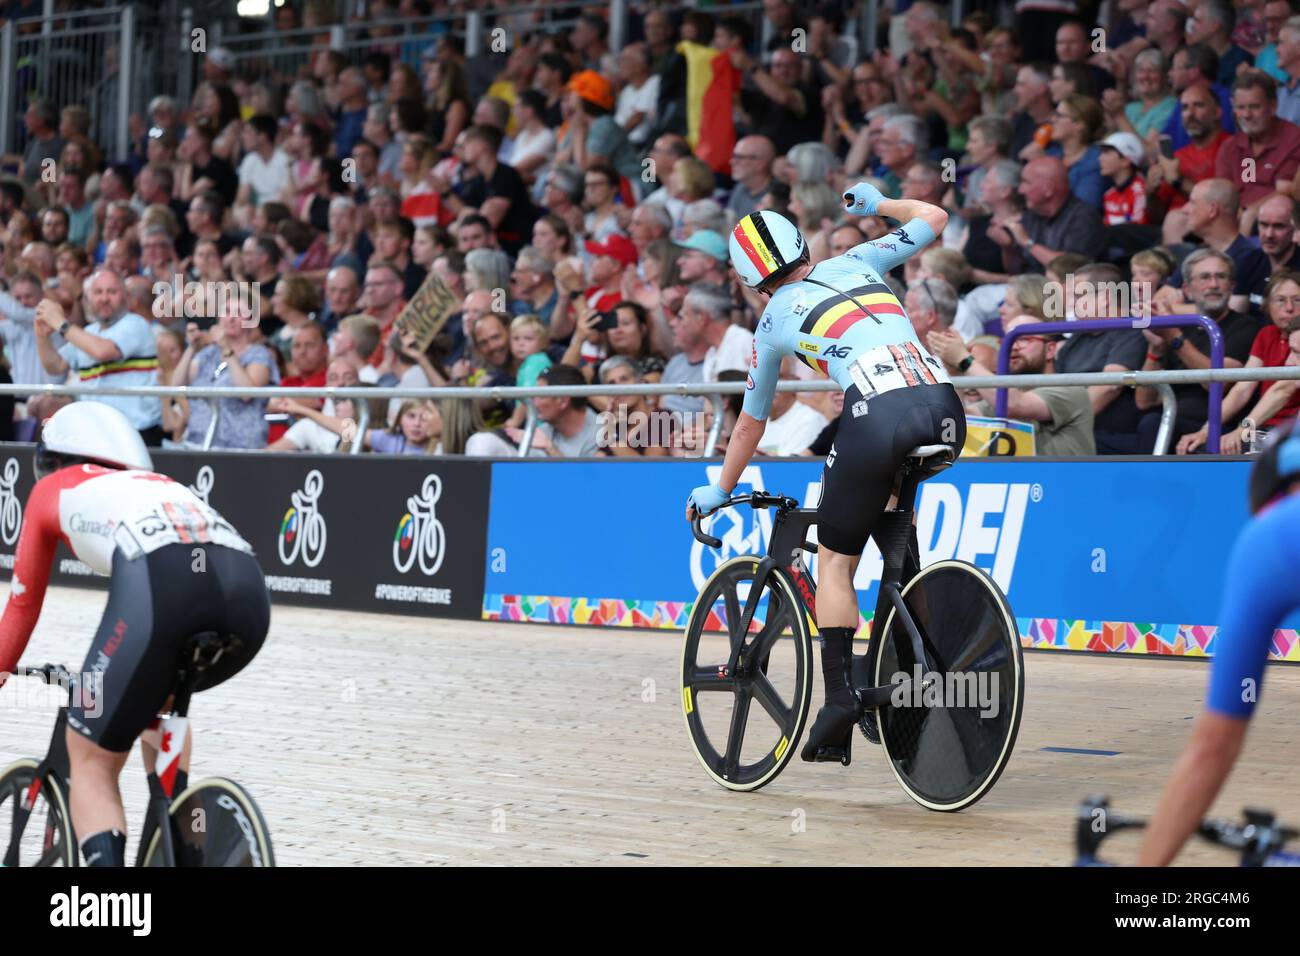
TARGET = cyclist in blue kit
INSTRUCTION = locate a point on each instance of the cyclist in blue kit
(840, 318)
(1261, 588)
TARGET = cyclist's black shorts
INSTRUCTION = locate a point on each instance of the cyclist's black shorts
(155, 603)
(871, 444)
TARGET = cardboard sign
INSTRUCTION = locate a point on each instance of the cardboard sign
(428, 311)
(998, 438)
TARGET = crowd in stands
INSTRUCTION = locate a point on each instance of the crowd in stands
(1147, 163)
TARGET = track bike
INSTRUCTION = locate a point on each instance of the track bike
(211, 823)
(941, 683)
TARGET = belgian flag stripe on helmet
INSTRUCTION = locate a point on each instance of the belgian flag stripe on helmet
(765, 234)
(758, 245)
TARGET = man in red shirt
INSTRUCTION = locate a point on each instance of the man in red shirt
(1265, 150)
(311, 354)
(1172, 178)
(611, 257)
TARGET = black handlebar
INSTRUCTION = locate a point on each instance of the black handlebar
(1258, 836)
(52, 674)
(757, 499)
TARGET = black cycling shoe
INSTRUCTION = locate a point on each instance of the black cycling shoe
(831, 737)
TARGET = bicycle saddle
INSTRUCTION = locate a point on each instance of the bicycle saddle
(929, 459)
(205, 648)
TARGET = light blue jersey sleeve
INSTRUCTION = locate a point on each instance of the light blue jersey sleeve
(764, 370)
(883, 254)
(1260, 589)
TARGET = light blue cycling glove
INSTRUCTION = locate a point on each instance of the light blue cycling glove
(707, 499)
(863, 199)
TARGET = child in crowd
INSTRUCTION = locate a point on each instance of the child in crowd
(418, 431)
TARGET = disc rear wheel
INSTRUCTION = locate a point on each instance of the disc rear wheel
(950, 730)
(214, 823)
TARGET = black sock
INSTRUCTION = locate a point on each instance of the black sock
(837, 661)
(106, 848)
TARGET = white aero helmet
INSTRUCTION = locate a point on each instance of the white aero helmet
(765, 246)
(91, 430)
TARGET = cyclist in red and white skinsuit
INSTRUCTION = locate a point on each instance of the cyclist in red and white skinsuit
(177, 568)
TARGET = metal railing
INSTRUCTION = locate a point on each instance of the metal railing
(287, 51)
(113, 60)
(712, 392)
(1212, 330)
(110, 61)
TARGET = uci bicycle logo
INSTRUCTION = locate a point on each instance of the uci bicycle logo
(11, 509)
(203, 482)
(420, 535)
(303, 527)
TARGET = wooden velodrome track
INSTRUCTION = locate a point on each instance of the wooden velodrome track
(373, 739)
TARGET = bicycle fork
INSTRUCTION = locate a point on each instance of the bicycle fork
(55, 764)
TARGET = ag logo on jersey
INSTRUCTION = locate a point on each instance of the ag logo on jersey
(419, 532)
(11, 509)
(837, 351)
(303, 527)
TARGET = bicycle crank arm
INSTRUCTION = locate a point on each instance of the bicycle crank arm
(874, 697)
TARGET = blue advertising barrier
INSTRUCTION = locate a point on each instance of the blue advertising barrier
(1107, 555)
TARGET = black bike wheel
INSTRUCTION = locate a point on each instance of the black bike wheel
(948, 746)
(47, 838)
(215, 823)
(743, 747)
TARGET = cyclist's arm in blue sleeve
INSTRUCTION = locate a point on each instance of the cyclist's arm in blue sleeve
(1260, 588)
(888, 251)
(764, 372)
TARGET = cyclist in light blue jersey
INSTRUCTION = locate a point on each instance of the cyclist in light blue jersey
(840, 318)
(1261, 588)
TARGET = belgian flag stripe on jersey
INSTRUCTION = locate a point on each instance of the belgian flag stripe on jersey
(877, 297)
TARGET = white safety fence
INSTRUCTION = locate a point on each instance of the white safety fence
(713, 392)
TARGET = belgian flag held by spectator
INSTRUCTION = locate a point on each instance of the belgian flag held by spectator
(711, 84)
